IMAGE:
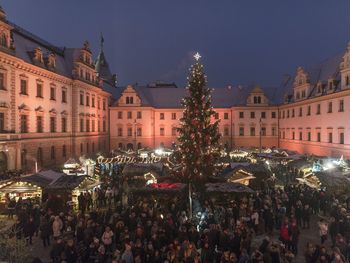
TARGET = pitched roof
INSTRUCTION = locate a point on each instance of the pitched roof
(170, 96)
(26, 42)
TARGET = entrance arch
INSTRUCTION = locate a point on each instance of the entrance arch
(3, 162)
(130, 146)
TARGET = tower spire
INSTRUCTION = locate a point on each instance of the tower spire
(102, 40)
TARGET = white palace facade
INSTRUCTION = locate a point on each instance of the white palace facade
(57, 103)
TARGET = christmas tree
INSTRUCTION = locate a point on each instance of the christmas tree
(198, 134)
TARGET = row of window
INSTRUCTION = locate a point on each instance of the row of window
(92, 128)
(317, 138)
(254, 132)
(87, 101)
(253, 115)
(138, 131)
(216, 115)
(40, 90)
(24, 124)
(291, 113)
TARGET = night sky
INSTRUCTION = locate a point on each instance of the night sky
(242, 42)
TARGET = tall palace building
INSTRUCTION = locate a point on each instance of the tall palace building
(308, 113)
(57, 103)
(53, 104)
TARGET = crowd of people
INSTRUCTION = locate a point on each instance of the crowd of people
(260, 227)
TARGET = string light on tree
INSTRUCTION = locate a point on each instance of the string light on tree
(198, 136)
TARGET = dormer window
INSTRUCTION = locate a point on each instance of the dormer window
(303, 94)
(129, 100)
(38, 55)
(330, 85)
(319, 88)
(52, 60)
(257, 100)
(3, 40)
(298, 95)
(88, 76)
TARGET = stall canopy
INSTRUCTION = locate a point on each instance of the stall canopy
(139, 169)
(227, 188)
(161, 188)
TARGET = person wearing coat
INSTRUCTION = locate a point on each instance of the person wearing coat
(29, 230)
(57, 227)
(45, 230)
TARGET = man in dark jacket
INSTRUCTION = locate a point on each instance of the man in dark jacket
(45, 230)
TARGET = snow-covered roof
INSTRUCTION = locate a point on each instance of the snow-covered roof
(170, 96)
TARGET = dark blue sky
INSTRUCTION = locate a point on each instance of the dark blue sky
(242, 42)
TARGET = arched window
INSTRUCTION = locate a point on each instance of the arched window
(120, 145)
(129, 146)
(161, 145)
(53, 152)
(39, 157)
(139, 145)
